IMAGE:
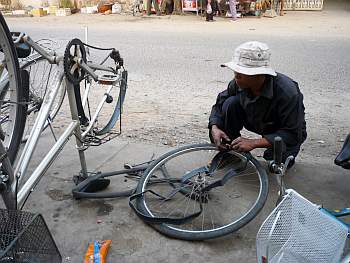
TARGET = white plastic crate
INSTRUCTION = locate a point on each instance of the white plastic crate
(297, 231)
(63, 12)
(303, 5)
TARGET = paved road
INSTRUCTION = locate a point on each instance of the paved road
(173, 64)
(173, 56)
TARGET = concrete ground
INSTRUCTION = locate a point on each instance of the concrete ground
(313, 47)
(74, 223)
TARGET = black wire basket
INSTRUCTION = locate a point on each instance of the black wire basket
(25, 237)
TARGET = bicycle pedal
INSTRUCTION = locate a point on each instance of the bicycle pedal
(108, 79)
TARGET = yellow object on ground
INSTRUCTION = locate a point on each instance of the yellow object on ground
(53, 9)
(38, 12)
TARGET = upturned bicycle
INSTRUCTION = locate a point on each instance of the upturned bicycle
(81, 77)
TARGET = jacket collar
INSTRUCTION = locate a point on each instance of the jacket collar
(267, 90)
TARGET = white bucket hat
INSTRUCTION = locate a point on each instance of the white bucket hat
(251, 58)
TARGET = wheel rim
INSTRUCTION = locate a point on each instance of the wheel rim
(8, 94)
(106, 109)
(222, 207)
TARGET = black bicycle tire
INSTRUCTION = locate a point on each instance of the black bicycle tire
(171, 232)
(61, 94)
(118, 106)
(22, 94)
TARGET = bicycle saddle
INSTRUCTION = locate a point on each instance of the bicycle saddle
(343, 158)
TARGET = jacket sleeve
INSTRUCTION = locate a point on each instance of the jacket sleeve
(216, 115)
(291, 117)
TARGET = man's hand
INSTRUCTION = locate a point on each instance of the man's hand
(242, 144)
(218, 137)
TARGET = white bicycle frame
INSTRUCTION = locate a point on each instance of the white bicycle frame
(16, 173)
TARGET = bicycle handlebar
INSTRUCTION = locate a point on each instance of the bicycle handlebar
(52, 58)
(278, 149)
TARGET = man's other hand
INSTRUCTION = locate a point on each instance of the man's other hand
(242, 144)
(219, 137)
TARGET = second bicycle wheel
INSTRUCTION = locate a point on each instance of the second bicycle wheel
(13, 94)
(227, 189)
(42, 77)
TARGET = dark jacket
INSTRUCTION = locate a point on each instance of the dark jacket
(278, 111)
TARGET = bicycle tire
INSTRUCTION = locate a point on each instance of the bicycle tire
(184, 231)
(13, 114)
(42, 74)
(110, 111)
(115, 116)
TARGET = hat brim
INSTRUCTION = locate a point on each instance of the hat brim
(249, 71)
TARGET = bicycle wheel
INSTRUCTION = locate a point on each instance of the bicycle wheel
(177, 179)
(42, 77)
(110, 108)
(12, 94)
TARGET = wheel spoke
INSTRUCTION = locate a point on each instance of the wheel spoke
(42, 77)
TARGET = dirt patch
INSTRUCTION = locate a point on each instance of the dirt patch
(58, 195)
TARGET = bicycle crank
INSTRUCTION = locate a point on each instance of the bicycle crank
(74, 53)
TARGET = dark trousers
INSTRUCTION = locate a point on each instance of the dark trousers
(176, 8)
(234, 121)
(209, 17)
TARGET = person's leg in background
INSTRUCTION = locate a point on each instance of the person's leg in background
(163, 6)
(156, 7)
(177, 7)
(282, 7)
(207, 17)
(149, 7)
(215, 7)
(211, 16)
(208, 10)
(232, 4)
